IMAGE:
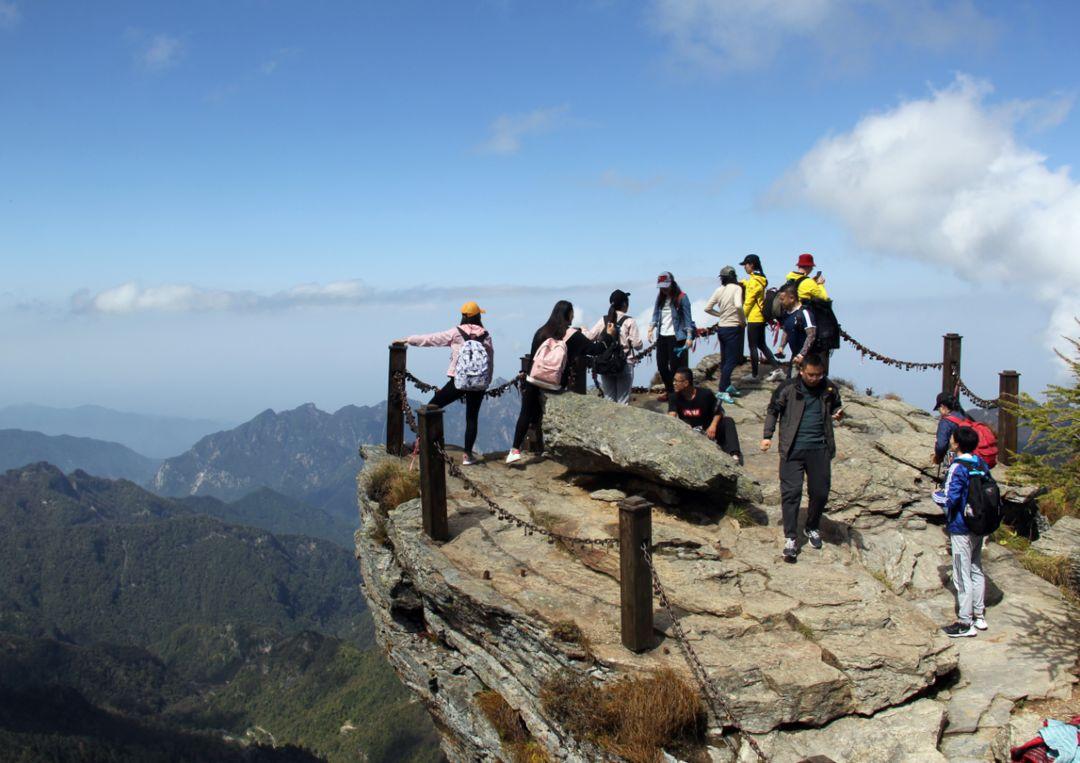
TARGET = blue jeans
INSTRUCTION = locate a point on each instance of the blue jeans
(730, 347)
(616, 387)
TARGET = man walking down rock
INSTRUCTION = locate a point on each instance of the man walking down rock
(805, 408)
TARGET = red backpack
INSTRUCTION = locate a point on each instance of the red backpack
(987, 449)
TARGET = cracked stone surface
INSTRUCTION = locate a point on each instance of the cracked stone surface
(840, 654)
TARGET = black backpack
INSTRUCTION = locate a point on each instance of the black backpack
(984, 498)
(612, 359)
(770, 306)
(828, 328)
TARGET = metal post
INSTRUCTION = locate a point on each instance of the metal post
(580, 383)
(1008, 398)
(950, 363)
(635, 579)
(395, 418)
(432, 473)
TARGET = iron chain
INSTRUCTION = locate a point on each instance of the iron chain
(499, 391)
(720, 710)
(980, 402)
(906, 365)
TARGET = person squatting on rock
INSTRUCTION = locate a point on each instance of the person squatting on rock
(699, 408)
(726, 303)
(805, 408)
(798, 326)
(555, 347)
(966, 546)
(754, 286)
(673, 321)
(616, 386)
(472, 362)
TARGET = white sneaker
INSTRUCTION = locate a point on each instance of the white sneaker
(468, 460)
(513, 455)
(776, 375)
(980, 623)
(791, 550)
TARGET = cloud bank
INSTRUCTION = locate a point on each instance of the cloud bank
(946, 180)
(738, 35)
(132, 298)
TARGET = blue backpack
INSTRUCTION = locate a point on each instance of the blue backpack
(471, 372)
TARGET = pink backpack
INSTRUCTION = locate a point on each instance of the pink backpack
(549, 362)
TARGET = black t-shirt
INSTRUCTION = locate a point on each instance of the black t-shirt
(699, 410)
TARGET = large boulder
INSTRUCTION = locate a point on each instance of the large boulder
(594, 435)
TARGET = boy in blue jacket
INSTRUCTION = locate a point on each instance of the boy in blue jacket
(966, 546)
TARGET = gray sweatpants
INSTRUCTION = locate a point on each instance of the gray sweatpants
(968, 576)
(616, 387)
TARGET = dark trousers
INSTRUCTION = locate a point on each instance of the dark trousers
(755, 333)
(730, 345)
(532, 411)
(473, 400)
(667, 361)
(817, 467)
(727, 437)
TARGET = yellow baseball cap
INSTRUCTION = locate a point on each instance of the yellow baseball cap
(471, 308)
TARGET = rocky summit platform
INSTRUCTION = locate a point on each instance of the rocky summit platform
(840, 654)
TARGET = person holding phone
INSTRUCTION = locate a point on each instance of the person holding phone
(806, 408)
(809, 288)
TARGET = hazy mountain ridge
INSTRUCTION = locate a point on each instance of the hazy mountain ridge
(150, 435)
(19, 447)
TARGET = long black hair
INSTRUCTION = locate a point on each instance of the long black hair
(559, 321)
(473, 320)
(662, 294)
(612, 313)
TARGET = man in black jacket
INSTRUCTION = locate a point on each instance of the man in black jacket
(806, 408)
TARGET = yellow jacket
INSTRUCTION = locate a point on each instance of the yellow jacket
(754, 298)
(809, 287)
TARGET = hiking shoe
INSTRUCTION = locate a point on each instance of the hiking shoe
(980, 623)
(814, 537)
(777, 375)
(791, 551)
(513, 456)
(724, 397)
(959, 630)
(469, 460)
(733, 391)
(737, 457)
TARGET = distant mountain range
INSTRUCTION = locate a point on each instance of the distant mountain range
(153, 436)
(308, 454)
(19, 447)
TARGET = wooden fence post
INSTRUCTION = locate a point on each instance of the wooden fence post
(432, 473)
(581, 375)
(1008, 397)
(395, 418)
(635, 579)
(950, 363)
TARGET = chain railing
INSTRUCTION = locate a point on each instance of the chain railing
(906, 365)
(720, 710)
(980, 402)
(499, 391)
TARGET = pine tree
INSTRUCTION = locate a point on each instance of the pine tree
(1053, 457)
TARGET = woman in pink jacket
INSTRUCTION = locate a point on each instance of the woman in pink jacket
(468, 371)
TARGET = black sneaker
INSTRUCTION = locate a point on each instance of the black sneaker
(960, 630)
(814, 537)
(791, 551)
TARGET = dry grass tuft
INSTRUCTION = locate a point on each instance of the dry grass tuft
(568, 631)
(1052, 569)
(742, 515)
(513, 734)
(892, 396)
(634, 718)
(390, 484)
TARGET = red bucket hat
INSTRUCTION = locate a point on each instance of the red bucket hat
(806, 261)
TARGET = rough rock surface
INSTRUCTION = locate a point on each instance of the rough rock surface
(840, 654)
(1062, 539)
(599, 437)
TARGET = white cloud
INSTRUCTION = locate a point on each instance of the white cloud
(9, 14)
(154, 52)
(132, 298)
(729, 35)
(627, 183)
(946, 180)
(508, 130)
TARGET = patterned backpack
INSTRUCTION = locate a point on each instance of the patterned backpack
(472, 371)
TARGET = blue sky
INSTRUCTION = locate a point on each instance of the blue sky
(212, 208)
